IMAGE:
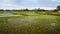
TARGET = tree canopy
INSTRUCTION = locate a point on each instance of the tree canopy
(58, 8)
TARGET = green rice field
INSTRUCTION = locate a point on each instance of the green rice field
(29, 23)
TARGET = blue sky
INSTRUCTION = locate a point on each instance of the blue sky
(51, 4)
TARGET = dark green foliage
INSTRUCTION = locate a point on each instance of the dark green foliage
(26, 9)
(58, 8)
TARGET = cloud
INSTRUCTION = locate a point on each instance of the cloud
(48, 8)
(14, 3)
(47, 4)
(30, 8)
(34, 1)
(7, 3)
(53, 0)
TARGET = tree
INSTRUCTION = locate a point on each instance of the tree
(1, 10)
(38, 9)
(55, 10)
(58, 8)
(26, 9)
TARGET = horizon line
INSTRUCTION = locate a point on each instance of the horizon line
(30, 8)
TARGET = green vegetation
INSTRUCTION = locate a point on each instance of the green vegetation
(32, 13)
(36, 21)
(30, 23)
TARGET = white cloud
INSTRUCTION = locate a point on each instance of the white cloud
(52, 0)
(48, 8)
(55, 0)
(30, 8)
(11, 4)
(7, 3)
(30, 1)
(35, 1)
(6, 0)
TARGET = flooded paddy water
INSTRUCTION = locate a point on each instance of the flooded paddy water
(43, 24)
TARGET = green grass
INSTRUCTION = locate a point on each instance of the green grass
(31, 13)
(31, 23)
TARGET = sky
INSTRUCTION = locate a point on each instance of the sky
(43, 4)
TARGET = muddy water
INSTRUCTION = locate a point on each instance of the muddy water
(44, 24)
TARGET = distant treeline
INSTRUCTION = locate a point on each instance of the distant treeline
(55, 10)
